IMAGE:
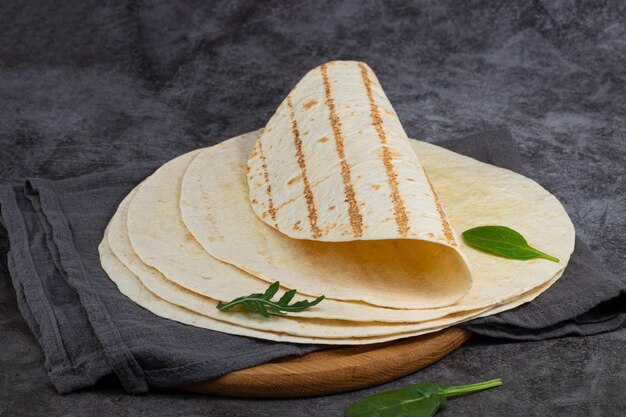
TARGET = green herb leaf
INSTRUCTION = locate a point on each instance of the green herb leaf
(503, 241)
(263, 304)
(419, 400)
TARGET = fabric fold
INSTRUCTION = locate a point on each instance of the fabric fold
(52, 309)
(61, 245)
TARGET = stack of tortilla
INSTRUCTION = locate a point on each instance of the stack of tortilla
(331, 198)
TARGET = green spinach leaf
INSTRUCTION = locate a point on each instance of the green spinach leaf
(503, 241)
(419, 400)
(263, 304)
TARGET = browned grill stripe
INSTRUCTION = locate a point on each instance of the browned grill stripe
(399, 210)
(356, 219)
(447, 230)
(308, 194)
(268, 189)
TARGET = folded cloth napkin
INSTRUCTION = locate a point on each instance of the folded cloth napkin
(88, 329)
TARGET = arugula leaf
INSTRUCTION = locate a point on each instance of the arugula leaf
(419, 400)
(503, 241)
(263, 304)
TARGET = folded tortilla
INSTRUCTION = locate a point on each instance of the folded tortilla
(334, 164)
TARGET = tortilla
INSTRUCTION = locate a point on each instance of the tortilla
(334, 164)
(331, 198)
(292, 324)
(131, 286)
(161, 240)
(214, 208)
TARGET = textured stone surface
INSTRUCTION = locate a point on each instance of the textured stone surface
(85, 87)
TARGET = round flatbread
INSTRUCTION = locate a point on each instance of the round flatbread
(213, 205)
(133, 288)
(162, 241)
(292, 324)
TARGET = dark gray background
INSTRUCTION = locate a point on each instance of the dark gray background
(87, 87)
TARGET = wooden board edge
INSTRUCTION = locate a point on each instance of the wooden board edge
(301, 377)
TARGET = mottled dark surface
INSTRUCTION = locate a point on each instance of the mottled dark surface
(87, 87)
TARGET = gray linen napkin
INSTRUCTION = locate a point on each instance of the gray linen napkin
(88, 329)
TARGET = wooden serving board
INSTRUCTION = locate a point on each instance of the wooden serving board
(336, 369)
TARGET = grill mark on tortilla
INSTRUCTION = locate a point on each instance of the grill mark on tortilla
(286, 203)
(356, 219)
(308, 194)
(309, 104)
(399, 210)
(292, 199)
(268, 189)
(447, 230)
